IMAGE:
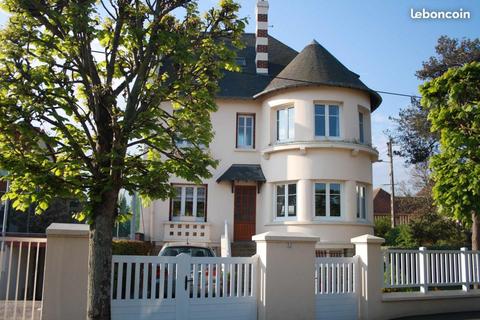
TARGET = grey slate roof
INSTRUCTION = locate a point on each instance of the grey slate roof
(246, 84)
(243, 172)
(312, 66)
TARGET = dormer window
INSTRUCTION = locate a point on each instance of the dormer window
(285, 124)
(327, 120)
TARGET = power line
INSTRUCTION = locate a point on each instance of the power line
(321, 83)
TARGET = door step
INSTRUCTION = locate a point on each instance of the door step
(244, 248)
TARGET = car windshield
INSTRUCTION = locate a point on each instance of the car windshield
(191, 251)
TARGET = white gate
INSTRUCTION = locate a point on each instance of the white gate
(183, 287)
(22, 264)
(336, 288)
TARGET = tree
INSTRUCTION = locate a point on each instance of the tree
(81, 89)
(417, 142)
(452, 101)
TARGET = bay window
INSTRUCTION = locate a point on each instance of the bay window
(285, 124)
(189, 203)
(327, 120)
(361, 202)
(328, 198)
(286, 200)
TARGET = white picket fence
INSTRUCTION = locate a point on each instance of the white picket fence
(423, 268)
(22, 263)
(336, 288)
(183, 287)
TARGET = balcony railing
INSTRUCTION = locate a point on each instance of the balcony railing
(186, 231)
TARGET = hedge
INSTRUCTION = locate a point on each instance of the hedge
(132, 248)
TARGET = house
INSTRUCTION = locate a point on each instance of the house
(406, 207)
(293, 140)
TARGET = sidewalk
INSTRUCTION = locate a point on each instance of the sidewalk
(447, 316)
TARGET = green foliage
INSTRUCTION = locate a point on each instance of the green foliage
(400, 237)
(453, 104)
(81, 85)
(132, 248)
(381, 228)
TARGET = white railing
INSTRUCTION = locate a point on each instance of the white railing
(22, 262)
(335, 276)
(423, 268)
(186, 231)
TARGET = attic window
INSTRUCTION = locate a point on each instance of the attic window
(241, 62)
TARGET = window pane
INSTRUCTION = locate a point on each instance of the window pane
(335, 188)
(360, 125)
(334, 199)
(320, 120)
(333, 124)
(320, 200)
(280, 201)
(291, 123)
(201, 208)
(358, 202)
(282, 125)
(292, 200)
(188, 201)
(177, 202)
(249, 136)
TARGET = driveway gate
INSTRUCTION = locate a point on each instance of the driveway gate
(183, 287)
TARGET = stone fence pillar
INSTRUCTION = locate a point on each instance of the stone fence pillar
(286, 288)
(368, 247)
(66, 272)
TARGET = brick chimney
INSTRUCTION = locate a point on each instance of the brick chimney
(261, 42)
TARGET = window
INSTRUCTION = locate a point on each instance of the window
(361, 127)
(327, 120)
(285, 124)
(246, 131)
(328, 200)
(361, 202)
(286, 200)
(189, 201)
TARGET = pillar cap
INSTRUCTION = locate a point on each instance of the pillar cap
(68, 229)
(367, 238)
(285, 236)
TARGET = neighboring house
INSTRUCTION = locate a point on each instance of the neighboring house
(293, 140)
(406, 207)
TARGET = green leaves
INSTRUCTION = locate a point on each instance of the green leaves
(86, 95)
(452, 101)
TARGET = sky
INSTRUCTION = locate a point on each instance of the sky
(376, 39)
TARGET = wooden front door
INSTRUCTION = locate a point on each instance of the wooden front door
(244, 213)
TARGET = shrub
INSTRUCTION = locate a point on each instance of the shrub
(132, 248)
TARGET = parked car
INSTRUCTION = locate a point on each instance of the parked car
(173, 250)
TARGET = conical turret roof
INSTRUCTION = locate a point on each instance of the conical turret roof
(314, 65)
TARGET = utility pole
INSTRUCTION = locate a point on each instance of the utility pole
(392, 182)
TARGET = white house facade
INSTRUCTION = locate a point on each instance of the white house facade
(293, 140)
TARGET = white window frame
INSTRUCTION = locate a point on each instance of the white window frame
(327, 120)
(277, 121)
(286, 217)
(362, 211)
(361, 127)
(183, 201)
(327, 195)
(245, 116)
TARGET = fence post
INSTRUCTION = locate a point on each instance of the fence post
(286, 287)
(66, 272)
(465, 270)
(368, 248)
(423, 263)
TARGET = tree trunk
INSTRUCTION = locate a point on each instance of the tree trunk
(475, 231)
(100, 257)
